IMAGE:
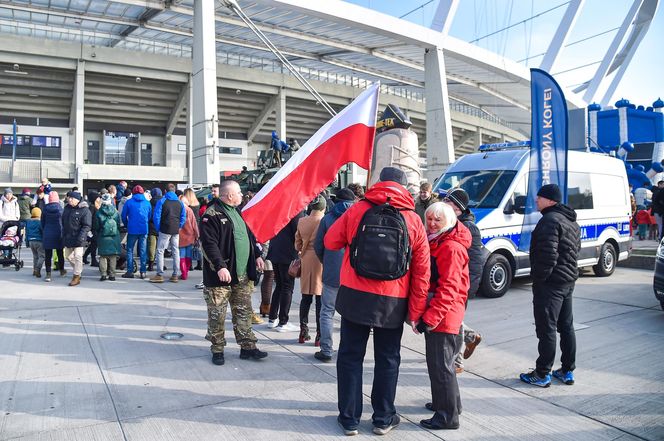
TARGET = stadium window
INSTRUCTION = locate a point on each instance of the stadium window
(31, 147)
(230, 150)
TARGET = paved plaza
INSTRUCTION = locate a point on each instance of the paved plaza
(88, 363)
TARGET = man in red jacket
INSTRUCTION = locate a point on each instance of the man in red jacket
(365, 304)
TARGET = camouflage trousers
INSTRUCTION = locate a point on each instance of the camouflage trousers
(239, 297)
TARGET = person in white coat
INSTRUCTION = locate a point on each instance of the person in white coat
(9, 211)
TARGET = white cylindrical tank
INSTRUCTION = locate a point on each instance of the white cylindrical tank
(397, 148)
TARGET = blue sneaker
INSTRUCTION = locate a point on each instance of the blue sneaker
(536, 380)
(566, 377)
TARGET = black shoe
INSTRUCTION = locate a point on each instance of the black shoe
(102, 278)
(111, 278)
(384, 430)
(254, 354)
(128, 275)
(218, 358)
(429, 406)
(151, 266)
(142, 276)
(431, 425)
(86, 261)
(322, 357)
(95, 264)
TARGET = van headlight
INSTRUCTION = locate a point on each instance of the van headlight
(660, 251)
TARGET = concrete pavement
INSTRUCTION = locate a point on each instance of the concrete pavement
(88, 363)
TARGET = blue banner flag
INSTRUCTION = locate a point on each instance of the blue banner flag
(548, 146)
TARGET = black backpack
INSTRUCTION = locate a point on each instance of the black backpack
(381, 248)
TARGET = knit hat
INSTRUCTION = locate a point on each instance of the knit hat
(393, 174)
(35, 213)
(458, 197)
(345, 194)
(103, 191)
(26, 190)
(106, 199)
(127, 192)
(138, 189)
(156, 193)
(75, 195)
(318, 204)
(8, 190)
(551, 192)
(53, 197)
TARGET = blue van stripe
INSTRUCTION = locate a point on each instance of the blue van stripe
(588, 233)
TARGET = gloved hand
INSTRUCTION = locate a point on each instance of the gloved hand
(422, 327)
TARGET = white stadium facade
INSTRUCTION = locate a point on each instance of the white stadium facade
(154, 91)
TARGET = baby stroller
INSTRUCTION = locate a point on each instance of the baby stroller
(11, 240)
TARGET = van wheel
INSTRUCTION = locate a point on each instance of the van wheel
(497, 276)
(607, 261)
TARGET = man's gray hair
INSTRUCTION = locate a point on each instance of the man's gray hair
(225, 185)
(443, 211)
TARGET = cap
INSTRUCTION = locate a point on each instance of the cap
(393, 174)
(551, 192)
(345, 194)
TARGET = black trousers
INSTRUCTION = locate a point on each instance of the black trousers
(305, 306)
(91, 250)
(552, 307)
(387, 355)
(48, 256)
(283, 293)
(441, 349)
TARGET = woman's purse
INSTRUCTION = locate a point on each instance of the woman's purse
(295, 267)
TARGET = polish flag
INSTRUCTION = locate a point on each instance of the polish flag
(347, 137)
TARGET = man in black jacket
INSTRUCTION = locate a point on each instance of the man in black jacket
(76, 224)
(230, 271)
(554, 250)
(458, 199)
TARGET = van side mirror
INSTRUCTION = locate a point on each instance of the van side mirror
(520, 204)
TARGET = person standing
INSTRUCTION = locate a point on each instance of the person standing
(169, 216)
(106, 225)
(76, 224)
(51, 222)
(381, 305)
(441, 318)
(188, 237)
(34, 239)
(25, 205)
(232, 262)
(135, 216)
(94, 203)
(658, 208)
(195, 206)
(458, 200)
(40, 199)
(153, 234)
(311, 280)
(331, 260)
(424, 200)
(554, 252)
(281, 253)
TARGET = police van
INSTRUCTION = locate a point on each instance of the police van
(496, 180)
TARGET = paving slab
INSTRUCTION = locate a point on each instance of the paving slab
(88, 363)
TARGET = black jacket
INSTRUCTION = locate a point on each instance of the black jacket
(658, 202)
(76, 223)
(151, 228)
(477, 254)
(554, 247)
(218, 247)
(282, 246)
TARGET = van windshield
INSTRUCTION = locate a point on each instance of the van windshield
(485, 188)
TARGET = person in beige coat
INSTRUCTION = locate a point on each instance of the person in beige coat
(311, 281)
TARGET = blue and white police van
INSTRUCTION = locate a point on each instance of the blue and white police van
(496, 181)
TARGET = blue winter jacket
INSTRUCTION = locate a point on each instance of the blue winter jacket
(136, 214)
(331, 259)
(33, 231)
(51, 222)
(156, 216)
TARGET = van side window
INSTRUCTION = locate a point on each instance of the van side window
(579, 191)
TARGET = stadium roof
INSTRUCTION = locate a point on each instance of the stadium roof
(331, 37)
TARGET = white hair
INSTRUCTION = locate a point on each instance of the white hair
(443, 211)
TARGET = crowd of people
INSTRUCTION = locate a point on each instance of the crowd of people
(380, 259)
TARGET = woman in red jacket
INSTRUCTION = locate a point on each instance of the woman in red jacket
(440, 321)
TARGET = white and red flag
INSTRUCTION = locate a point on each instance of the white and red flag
(347, 137)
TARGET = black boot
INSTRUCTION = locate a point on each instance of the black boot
(304, 333)
(151, 265)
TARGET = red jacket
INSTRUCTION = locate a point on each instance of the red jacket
(449, 281)
(642, 217)
(381, 303)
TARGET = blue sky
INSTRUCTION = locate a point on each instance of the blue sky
(641, 83)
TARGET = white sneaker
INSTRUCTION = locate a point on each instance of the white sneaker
(273, 324)
(200, 285)
(288, 327)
